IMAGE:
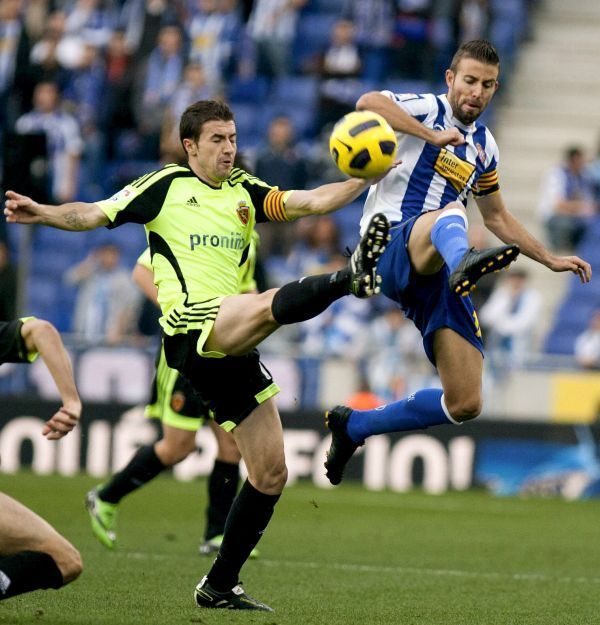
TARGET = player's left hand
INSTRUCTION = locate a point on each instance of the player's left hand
(450, 136)
(61, 423)
(574, 264)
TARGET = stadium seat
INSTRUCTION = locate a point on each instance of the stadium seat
(248, 90)
(295, 91)
(312, 36)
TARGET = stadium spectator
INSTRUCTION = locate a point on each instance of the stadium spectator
(181, 412)
(410, 47)
(587, 344)
(33, 555)
(15, 70)
(91, 21)
(364, 398)
(393, 351)
(156, 80)
(567, 201)
(211, 331)
(215, 34)
(63, 136)
(471, 20)
(593, 171)
(339, 68)
(510, 318)
(272, 27)
(280, 161)
(116, 106)
(8, 285)
(106, 306)
(142, 21)
(428, 267)
(192, 88)
(374, 22)
(44, 54)
(83, 94)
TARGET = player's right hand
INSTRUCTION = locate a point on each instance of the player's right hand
(450, 136)
(21, 209)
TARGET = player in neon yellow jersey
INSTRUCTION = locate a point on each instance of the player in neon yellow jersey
(199, 219)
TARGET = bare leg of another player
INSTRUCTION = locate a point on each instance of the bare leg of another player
(33, 554)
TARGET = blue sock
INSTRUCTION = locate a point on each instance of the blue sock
(449, 237)
(417, 412)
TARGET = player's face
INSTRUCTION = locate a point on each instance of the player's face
(470, 88)
(211, 157)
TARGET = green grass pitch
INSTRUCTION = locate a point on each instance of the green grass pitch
(338, 557)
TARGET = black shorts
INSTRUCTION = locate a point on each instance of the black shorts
(232, 386)
(12, 345)
(173, 399)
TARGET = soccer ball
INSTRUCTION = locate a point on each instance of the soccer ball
(363, 144)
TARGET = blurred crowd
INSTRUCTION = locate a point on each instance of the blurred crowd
(91, 92)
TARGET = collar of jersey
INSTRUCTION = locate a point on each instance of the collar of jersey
(210, 186)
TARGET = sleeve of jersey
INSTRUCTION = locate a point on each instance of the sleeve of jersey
(139, 202)
(417, 105)
(487, 183)
(269, 203)
(145, 259)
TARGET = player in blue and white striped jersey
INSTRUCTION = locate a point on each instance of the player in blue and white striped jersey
(427, 267)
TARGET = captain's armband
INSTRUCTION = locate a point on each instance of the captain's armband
(274, 205)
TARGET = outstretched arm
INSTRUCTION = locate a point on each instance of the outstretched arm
(42, 337)
(401, 121)
(326, 198)
(499, 220)
(72, 216)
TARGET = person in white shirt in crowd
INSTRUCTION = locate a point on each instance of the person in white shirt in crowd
(587, 344)
(567, 201)
(510, 318)
(106, 305)
(272, 26)
(63, 135)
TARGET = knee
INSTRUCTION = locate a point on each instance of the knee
(170, 453)
(464, 408)
(69, 563)
(272, 480)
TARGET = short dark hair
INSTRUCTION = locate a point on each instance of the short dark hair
(478, 49)
(197, 114)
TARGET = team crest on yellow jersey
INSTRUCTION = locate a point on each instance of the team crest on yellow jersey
(177, 401)
(243, 212)
(454, 169)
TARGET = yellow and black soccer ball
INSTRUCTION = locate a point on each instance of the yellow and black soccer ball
(363, 144)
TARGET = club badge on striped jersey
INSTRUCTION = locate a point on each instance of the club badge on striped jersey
(243, 212)
(481, 154)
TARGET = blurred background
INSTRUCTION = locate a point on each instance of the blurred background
(90, 96)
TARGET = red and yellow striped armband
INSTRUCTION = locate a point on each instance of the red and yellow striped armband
(274, 205)
(487, 184)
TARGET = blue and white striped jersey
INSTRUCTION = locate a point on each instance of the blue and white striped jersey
(430, 177)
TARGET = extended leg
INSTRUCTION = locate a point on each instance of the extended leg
(460, 367)
(148, 462)
(260, 441)
(299, 300)
(34, 554)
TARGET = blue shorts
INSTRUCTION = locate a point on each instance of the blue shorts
(427, 300)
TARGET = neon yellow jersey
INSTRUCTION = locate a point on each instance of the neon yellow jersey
(247, 281)
(199, 236)
(145, 259)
